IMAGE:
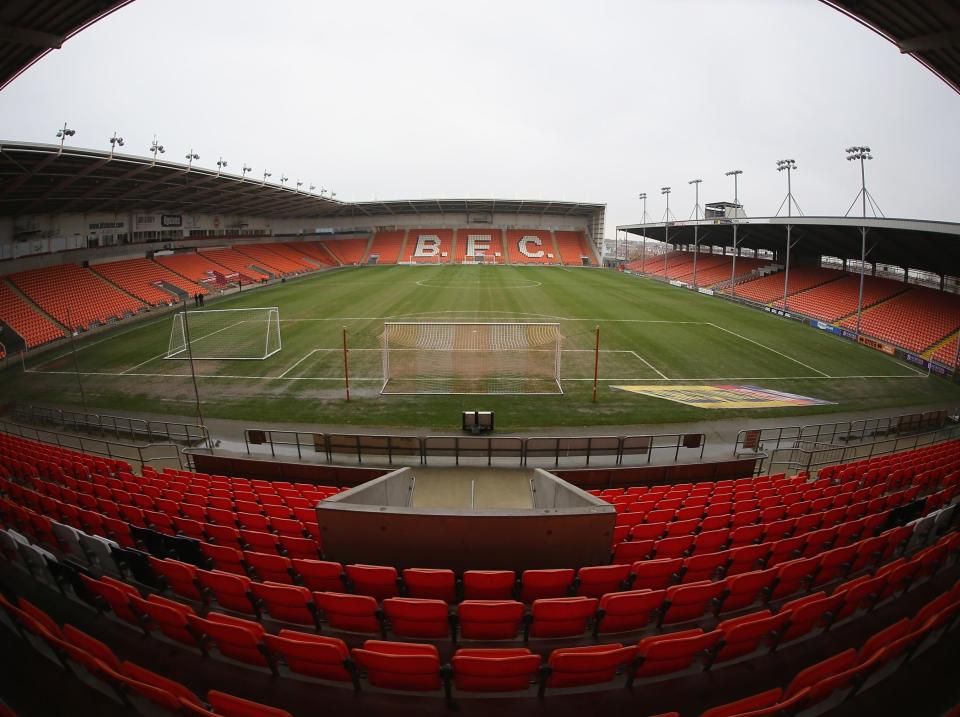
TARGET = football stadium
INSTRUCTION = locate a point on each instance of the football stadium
(266, 452)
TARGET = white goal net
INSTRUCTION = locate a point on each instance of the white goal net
(225, 334)
(470, 358)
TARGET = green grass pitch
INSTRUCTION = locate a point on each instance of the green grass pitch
(650, 333)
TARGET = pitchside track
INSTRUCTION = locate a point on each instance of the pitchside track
(651, 333)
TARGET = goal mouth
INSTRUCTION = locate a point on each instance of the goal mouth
(225, 334)
(466, 358)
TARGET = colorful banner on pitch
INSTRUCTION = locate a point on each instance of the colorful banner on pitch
(725, 396)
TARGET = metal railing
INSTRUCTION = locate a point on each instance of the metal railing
(752, 441)
(812, 456)
(503, 449)
(142, 454)
(117, 426)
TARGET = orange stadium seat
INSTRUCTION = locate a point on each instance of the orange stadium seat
(836, 299)
(531, 246)
(314, 251)
(33, 327)
(275, 258)
(574, 248)
(769, 288)
(347, 251)
(141, 277)
(428, 246)
(475, 245)
(197, 267)
(916, 320)
(386, 246)
(75, 297)
(236, 262)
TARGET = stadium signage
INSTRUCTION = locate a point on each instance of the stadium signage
(427, 245)
(171, 220)
(708, 292)
(107, 225)
(525, 242)
(878, 345)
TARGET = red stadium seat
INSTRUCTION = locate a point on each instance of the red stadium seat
(598, 580)
(747, 706)
(170, 617)
(539, 584)
(656, 574)
(689, 602)
(319, 575)
(378, 581)
(318, 656)
(494, 670)
(490, 619)
(290, 603)
(431, 584)
(229, 706)
(238, 639)
(488, 584)
(749, 634)
(230, 591)
(400, 665)
(673, 652)
(353, 613)
(591, 665)
(629, 610)
(561, 617)
(417, 617)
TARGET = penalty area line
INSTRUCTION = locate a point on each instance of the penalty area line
(779, 353)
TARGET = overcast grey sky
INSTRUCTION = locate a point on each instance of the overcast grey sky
(587, 101)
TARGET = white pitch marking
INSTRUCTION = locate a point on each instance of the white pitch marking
(659, 372)
(311, 353)
(779, 353)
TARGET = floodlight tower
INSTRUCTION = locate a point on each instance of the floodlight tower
(312, 187)
(115, 142)
(156, 147)
(265, 175)
(736, 202)
(853, 154)
(696, 226)
(62, 134)
(221, 163)
(283, 179)
(244, 171)
(643, 221)
(665, 191)
(787, 165)
(190, 156)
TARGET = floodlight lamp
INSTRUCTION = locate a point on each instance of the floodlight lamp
(642, 195)
(120, 141)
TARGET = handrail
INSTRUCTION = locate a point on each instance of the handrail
(119, 426)
(522, 451)
(97, 446)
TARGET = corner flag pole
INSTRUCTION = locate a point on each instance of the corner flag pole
(596, 362)
(346, 364)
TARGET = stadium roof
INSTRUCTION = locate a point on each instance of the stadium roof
(929, 30)
(926, 245)
(45, 179)
(29, 29)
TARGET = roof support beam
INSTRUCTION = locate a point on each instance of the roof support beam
(33, 38)
(933, 41)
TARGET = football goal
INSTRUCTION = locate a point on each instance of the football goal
(225, 334)
(470, 358)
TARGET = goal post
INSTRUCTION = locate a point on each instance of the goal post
(471, 358)
(225, 334)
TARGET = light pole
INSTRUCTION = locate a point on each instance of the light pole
(665, 191)
(736, 206)
(696, 226)
(862, 154)
(62, 134)
(283, 179)
(265, 175)
(299, 184)
(312, 187)
(244, 170)
(190, 156)
(643, 221)
(221, 163)
(789, 165)
(156, 147)
(115, 142)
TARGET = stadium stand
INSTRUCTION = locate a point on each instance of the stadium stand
(233, 260)
(387, 246)
(946, 353)
(916, 319)
(347, 251)
(73, 296)
(428, 246)
(531, 246)
(488, 242)
(769, 288)
(314, 251)
(836, 299)
(33, 327)
(721, 270)
(197, 268)
(140, 277)
(573, 248)
(273, 256)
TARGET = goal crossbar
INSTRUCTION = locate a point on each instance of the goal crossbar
(437, 357)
